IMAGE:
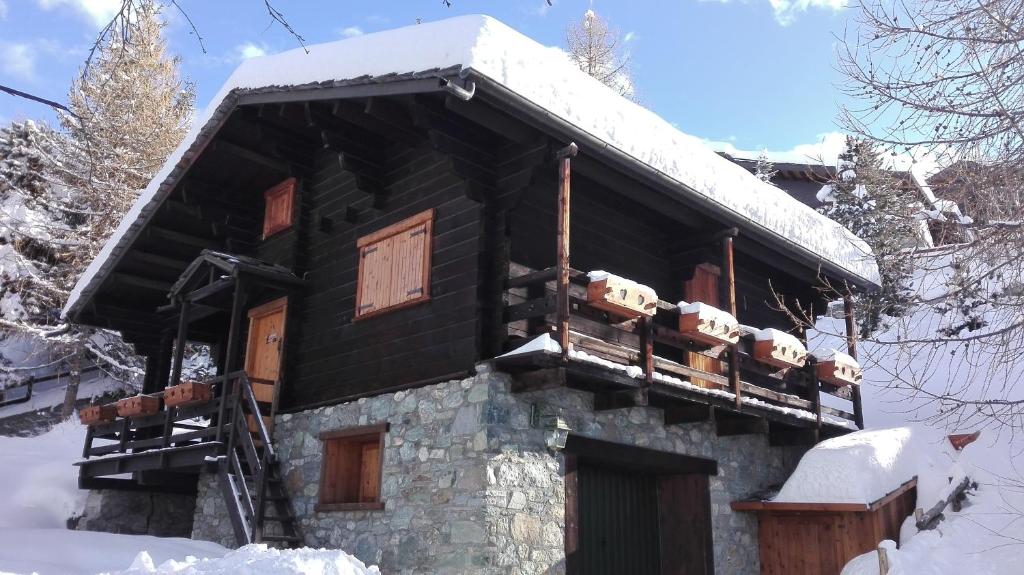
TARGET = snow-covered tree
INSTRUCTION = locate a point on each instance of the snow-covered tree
(598, 50)
(66, 192)
(872, 203)
(764, 169)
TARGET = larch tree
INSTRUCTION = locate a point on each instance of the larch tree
(871, 202)
(128, 111)
(598, 49)
(944, 78)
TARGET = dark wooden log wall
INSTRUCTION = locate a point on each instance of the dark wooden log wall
(613, 233)
(331, 358)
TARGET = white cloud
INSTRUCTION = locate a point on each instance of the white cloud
(826, 151)
(787, 10)
(18, 60)
(100, 12)
(249, 50)
(629, 37)
(350, 31)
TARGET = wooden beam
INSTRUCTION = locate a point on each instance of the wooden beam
(380, 118)
(622, 399)
(562, 311)
(788, 437)
(490, 118)
(728, 426)
(123, 279)
(851, 348)
(252, 156)
(164, 235)
(538, 380)
(150, 258)
(640, 458)
(680, 414)
(729, 297)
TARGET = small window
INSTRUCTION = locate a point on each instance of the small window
(278, 203)
(394, 266)
(351, 472)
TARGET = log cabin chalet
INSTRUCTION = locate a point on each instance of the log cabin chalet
(470, 311)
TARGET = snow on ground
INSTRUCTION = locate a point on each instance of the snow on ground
(65, 552)
(39, 492)
(40, 486)
(985, 538)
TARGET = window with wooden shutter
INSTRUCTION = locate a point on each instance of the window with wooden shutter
(703, 287)
(278, 204)
(394, 266)
(350, 475)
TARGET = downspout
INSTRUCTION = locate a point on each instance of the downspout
(464, 94)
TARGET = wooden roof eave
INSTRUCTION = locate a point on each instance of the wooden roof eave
(428, 81)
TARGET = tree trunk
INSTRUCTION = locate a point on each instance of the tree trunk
(74, 379)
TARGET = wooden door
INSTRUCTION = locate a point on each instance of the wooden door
(684, 509)
(617, 521)
(703, 287)
(263, 354)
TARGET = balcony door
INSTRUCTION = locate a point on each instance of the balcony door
(263, 355)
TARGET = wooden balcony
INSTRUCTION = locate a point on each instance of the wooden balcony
(647, 361)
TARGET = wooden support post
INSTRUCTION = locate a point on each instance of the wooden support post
(851, 349)
(564, 156)
(234, 336)
(646, 327)
(182, 339)
(729, 297)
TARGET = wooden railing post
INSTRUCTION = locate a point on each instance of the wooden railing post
(729, 293)
(851, 349)
(180, 341)
(646, 327)
(562, 264)
(234, 336)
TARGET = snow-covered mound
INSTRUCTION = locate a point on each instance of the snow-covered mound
(985, 538)
(544, 77)
(64, 552)
(38, 484)
(864, 466)
(256, 560)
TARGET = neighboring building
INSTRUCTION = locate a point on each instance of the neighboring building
(365, 232)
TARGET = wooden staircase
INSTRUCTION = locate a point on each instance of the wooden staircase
(249, 477)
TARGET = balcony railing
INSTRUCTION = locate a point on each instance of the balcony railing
(651, 354)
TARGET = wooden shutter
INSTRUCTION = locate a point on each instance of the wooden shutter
(394, 265)
(278, 203)
(703, 287)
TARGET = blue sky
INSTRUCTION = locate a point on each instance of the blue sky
(750, 74)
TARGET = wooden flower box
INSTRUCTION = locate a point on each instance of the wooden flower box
(838, 369)
(620, 296)
(95, 414)
(708, 324)
(186, 394)
(138, 406)
(779, 349)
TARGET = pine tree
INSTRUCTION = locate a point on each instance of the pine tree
(869, 201)
(597, 49)
(127, 114)
(765, 169)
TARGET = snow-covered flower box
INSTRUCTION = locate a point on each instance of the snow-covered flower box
(708, 324)
(620, 296)
(138, 406)
(186, 394)
(837, 368)
(94, 414)
(779, 348)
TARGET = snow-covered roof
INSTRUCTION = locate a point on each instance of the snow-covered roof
(544, 77)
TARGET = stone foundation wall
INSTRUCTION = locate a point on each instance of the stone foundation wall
(138, 513)
(469, 485)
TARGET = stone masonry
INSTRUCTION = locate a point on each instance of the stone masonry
(138, 513)
(469, 485)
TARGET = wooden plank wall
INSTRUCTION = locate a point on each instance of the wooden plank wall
(332, 358)
(794, 543)
(612, 233)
